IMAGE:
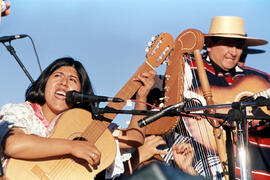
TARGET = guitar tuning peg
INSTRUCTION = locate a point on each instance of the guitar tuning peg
(166, 89)
(161, 105)
(147, 49)
(153, 38)
(159, 59)
(149, 44)
(165, 98)
(165, 62)
(167, 77)
(153, 52)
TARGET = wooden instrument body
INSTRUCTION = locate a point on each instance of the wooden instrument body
(241, 90)
(74, 123)
(188, 41)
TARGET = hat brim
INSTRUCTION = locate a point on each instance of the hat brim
(249, 40)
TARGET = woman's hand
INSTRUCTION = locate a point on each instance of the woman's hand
(87, 151)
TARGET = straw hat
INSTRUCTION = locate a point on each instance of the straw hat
(232, 27)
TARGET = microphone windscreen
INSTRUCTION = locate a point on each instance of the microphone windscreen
(70, 98)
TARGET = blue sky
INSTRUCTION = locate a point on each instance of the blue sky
(110, 37)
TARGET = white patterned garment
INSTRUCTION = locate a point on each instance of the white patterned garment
(117, 167)
(33, 122)
(23, 116)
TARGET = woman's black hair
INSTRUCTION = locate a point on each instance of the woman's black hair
(36, 92)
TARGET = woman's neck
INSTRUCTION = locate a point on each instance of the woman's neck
(48, 113)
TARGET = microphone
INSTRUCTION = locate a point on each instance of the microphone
(77, 97)
(10, 38)
(149, 119)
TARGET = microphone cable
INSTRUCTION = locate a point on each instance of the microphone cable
(34, 47)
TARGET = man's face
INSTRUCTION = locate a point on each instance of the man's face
(225, 52)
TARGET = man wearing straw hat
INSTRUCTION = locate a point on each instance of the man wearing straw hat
(224, 44)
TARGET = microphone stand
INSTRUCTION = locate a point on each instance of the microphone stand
(97, 111)
(237, 114)
(13, 53)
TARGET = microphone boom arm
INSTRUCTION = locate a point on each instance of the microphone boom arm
(13, 53)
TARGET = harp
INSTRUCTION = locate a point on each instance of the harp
(190, 41)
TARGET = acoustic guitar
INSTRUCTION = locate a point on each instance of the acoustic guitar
(78, 124)
(243, 90)
(247, 89)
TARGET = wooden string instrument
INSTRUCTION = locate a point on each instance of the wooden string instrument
(187, 42)
(78, 124)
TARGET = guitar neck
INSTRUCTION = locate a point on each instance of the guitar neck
(129, 89)
(158, 51)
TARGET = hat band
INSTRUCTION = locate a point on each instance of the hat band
(233, 34)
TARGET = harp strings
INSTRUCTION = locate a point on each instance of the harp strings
(205, 150)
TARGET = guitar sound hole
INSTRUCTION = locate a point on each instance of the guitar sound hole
(80, 139)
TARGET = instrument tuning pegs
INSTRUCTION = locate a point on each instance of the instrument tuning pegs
(167, 77)
(166, 61)
(147, 49)
(154, 38)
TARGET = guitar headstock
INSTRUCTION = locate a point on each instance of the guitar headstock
(159, 49)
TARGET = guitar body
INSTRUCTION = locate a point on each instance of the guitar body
(72, 124)
(244, 88)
